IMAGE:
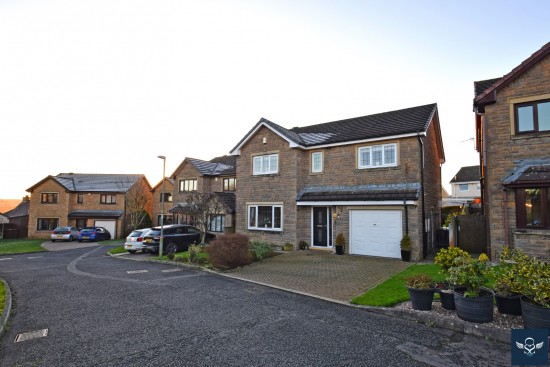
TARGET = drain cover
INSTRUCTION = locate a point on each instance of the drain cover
(31, 335)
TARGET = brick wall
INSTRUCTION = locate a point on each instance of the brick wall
(504, 149)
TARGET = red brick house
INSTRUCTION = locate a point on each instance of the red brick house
(216, 176)
(372, 178)
(513, 141)
(73, 199)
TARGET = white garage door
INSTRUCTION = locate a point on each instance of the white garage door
(376, 232)
(109, 225)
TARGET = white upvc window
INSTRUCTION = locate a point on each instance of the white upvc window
(377, 156)
(317, 162)
(265, 164)
(265, 217)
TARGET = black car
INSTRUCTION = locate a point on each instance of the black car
(94, 234)
(177, 238)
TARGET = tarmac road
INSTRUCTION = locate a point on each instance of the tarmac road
(100, 311)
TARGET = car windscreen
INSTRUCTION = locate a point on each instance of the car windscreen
(135, 234)
(87, 230)
(61, 230)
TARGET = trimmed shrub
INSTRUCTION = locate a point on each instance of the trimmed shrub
(194, 251)
(303, 245)
(260, 250)
(229, 251)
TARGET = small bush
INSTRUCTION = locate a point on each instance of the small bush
(260, 250)
(420, 281)
(229, 251)
(288, 246)
(303, 245)
(194, 251)
(405, 243)
(446, 256)
(340, 240)
(170, 255)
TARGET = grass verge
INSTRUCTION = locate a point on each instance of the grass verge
(117, 250)
(394, 290)
(2, 297)
(20, 246)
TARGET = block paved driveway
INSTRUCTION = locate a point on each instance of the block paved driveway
(321, 273)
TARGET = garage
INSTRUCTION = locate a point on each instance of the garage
(376, 232)
(110, 225)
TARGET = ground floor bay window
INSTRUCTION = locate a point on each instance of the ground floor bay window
(265, 217)
(533, 207)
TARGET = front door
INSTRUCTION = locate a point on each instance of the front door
(321, 227)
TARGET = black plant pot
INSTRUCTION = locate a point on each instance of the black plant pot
(510, 305)
(534, 316)
(405, 255)
(474, 309)
(421, 299)
(339, 249)
(447, 299)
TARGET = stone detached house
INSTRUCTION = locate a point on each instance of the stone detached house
(217, 177)
(513, 140)
(158, 195)
(372, 178)
(73, 199)
(465, 187)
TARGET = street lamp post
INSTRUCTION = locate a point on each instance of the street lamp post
(161, 245)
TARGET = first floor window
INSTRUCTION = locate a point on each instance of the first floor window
(48, 197)
(533, 116)
(167, 197)
(533, 207)
(267, 217)
(107, 199)
(317, 162)
(80, 198)
(463, 187)
(216, 223)
(229, 184)
(265, 164)
(377, 156)
(47, 224)
(188, 185)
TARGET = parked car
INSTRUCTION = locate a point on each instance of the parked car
(177, 238)
(134, 241)
(93, 234)
(64, 234)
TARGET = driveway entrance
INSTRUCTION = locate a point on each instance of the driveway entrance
(321, 273)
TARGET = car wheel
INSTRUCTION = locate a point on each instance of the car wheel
(171, 248)
(71, 238)
(79, 240)
(132, 251)
(53, 240)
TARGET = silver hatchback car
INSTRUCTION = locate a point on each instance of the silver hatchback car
(134, 241)
(65, 233)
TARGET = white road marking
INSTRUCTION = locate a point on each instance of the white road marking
(170, 270)
(137, 271)
(6, 258)
(31, 335)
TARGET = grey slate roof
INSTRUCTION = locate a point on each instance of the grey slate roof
(482, 85)
(94, 182)
(211, 168)
(467, 174)
(409, 191)
(96, 213)
(530, 171)
(400, 122)
(227, 198)
(21, 210)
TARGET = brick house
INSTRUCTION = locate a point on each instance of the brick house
(465, 187)
(72, 199)
(372, 178)
(513, 140)
(157, 202)
(18, 219)
(217, 176)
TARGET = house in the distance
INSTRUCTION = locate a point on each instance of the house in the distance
(76, 199)
(513, 141)
(18, 219)
(465, 188)
(373, 178)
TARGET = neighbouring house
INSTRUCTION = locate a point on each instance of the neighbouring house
(373, 178)
(18, 219)
(465, 187)
(160, 193)
(113, 201)
(196, 177)
(513, 140)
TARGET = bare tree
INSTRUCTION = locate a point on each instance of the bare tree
(137, 199)
(202, 207)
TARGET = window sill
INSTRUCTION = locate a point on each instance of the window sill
(266, 229)
(532, 231)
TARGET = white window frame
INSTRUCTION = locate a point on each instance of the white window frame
(317, 157)
(461, 185)
(262, 226)
(188, 185)
(382, 149)
(267, 164)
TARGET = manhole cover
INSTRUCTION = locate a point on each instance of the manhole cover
(31, 335)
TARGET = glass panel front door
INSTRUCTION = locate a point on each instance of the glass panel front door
(322, 227)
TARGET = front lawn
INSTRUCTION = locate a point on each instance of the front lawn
(394, 290)
(117, 250)
(2, 297)
(20, 246)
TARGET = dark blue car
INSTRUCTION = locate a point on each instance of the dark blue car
(93, 234)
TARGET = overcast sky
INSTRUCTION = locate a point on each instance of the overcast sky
(105, 86)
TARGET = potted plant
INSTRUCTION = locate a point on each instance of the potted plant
(506, 287)
(421, 290)
(406, 247)
(340, 243)
(444, 258)
(473, 302)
